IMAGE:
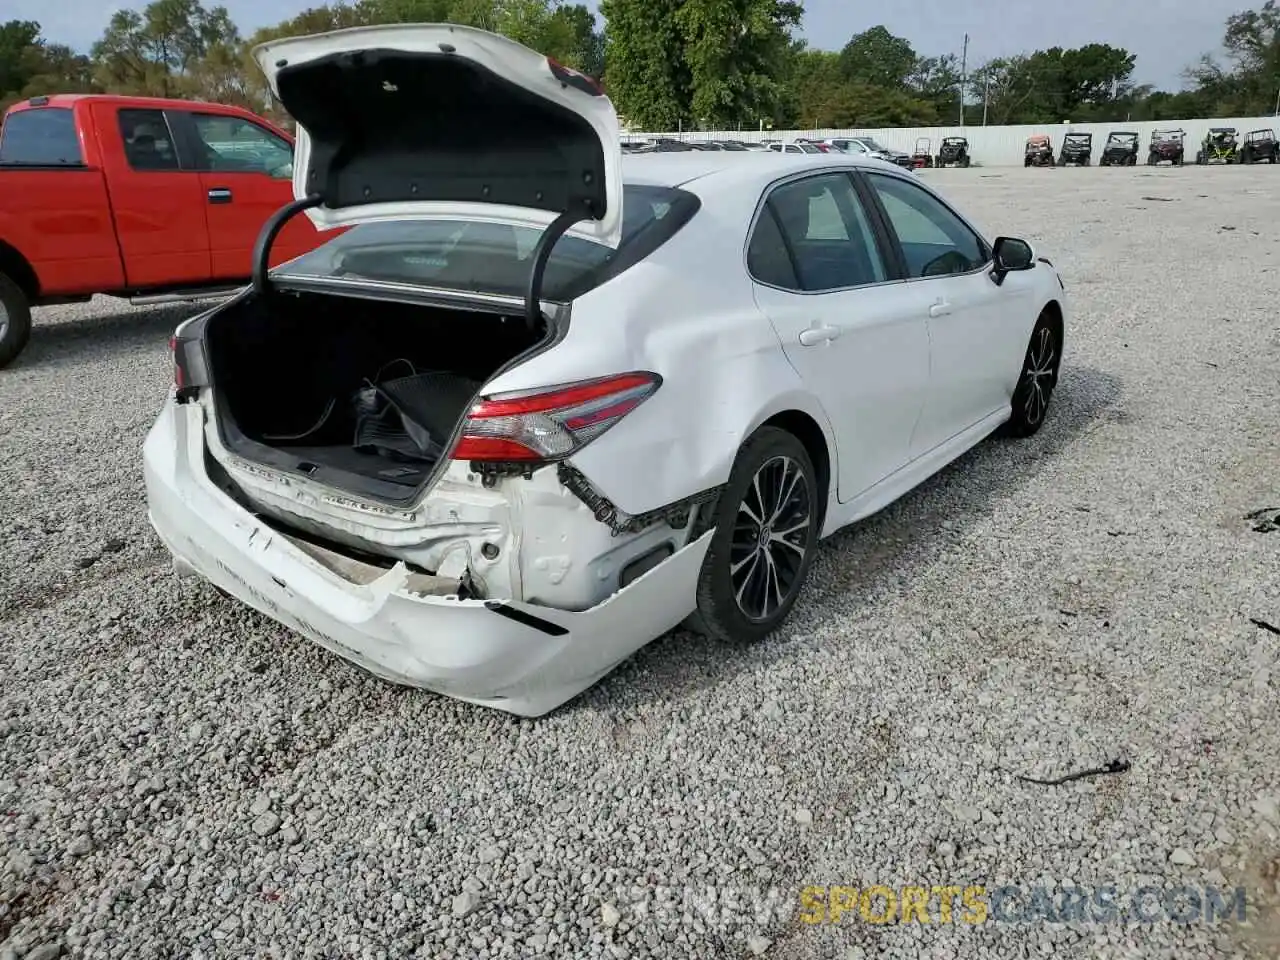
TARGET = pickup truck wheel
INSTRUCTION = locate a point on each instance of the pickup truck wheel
(15, 320)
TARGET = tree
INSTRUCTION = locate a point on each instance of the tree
(646, 73)
(877, 58)
(156, 51)
(30, 66)
(936, 81)
(19, 41)
(735, 51)
(1248, 85)
(586, 42)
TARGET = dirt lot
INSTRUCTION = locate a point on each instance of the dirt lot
(179, 777)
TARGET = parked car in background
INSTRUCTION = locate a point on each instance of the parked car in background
(794, 146)
(870, 147)
(134, 197)
(497, 474)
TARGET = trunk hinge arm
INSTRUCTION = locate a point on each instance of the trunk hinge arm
(267, 236)
(541, 255)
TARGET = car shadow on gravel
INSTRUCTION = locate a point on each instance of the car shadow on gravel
(57, 341)
(883, 548)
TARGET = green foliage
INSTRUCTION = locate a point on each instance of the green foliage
(677, 63)
(29, 65)
(735, 51)
(646, 72)
(876, 58)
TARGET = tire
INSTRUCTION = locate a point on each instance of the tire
(1036, 382)
(781, 462)
(15, 320)
(964, 162)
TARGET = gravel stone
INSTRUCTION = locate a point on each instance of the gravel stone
(1183, 858)
(1090, 598)
(266, 825)
(465, 904)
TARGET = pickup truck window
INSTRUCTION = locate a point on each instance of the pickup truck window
(148, 142)
(233, 145)
(45, 135)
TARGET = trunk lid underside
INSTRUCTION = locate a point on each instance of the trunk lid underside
(441, 121)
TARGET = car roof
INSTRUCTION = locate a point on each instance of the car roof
(718, 171)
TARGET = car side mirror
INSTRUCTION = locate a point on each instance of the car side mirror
(1010, 254)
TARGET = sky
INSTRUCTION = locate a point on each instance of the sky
(1166, 35)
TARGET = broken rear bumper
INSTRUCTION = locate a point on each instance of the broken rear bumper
(517, 657)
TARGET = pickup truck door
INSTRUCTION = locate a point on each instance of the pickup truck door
(245, 171)
(158, 208)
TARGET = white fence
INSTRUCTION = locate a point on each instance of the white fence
(991, 146)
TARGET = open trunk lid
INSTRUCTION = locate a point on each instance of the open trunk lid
(438, 121)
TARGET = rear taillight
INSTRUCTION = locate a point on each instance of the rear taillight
(549, 424)
(179, 370)
(188, 367)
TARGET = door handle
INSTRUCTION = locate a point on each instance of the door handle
(940, 309)
(219, 195)
(818, 333)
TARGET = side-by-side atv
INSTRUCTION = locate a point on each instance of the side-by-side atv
(1077, 148)
(1260, 146)
(954, 151)
(1167, 146)
(922, 155)
(1120, 150)
(1038, 152)
(1220, 145)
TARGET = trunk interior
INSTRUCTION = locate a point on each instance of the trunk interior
(291, 371)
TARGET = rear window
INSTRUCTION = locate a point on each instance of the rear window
(496, 258)
(44, 135)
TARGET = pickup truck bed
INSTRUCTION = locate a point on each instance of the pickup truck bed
(135, 197)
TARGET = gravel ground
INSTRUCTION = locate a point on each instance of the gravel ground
(179, 777)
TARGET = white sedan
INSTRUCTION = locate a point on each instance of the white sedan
(539, 405)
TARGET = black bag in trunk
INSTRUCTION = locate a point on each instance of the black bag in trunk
(409, 419)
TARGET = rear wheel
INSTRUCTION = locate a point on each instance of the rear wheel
(1038, 378)
(15, 320)
(766, 530)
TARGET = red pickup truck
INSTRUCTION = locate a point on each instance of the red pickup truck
(135, 197)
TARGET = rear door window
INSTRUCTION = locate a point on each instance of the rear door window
(43, 135)
(148, 141)
(827, 233)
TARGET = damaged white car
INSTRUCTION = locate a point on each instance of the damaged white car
(538, 405)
